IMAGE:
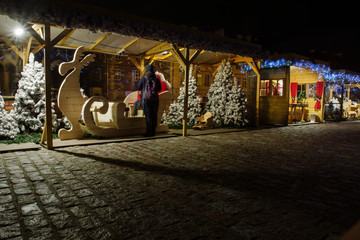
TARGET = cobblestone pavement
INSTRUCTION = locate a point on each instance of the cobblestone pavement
(279, 183)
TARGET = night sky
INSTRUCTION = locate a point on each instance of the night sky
(317, 29)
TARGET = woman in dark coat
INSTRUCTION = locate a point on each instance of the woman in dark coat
(150, 106)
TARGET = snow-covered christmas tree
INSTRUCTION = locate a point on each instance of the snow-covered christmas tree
(8, 125)
(29, 105)
(227, 103)
(176, 109)
(219, 91)
(236, 111)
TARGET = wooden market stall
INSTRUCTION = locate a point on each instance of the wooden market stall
(342, 100)
(288, 90)
(306, 90)
(69, 24)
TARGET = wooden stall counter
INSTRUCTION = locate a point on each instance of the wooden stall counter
(293, 107)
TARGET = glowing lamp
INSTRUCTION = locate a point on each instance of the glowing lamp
(19, 31)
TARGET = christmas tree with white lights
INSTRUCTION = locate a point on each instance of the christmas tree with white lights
(176, 109)
(218, 94)
(227, 103)
(8, 125)
(236, 111)
(29, 105)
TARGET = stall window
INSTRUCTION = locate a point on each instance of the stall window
(308, 90)
(135, 74)
(272, 87)
(264, 87)
(300, 89)
(312, 90)
(277, 87)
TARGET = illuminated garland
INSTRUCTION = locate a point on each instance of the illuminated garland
(321, 69)
(336, 77)
(278, 63)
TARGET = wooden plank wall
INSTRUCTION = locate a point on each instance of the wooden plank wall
(275, 109)
(251, 97)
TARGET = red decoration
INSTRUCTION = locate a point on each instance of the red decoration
(293, 89)
(163, 85)
(319, 92)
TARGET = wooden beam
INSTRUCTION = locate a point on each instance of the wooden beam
(14, 48)
(62, 37)
(59, 37)
(27, 50)
(105, 36)
(178, 53)
(209, 58)
(66, 37)
(35, 35)
(178, 58)
(151, 60)
(127, 45)
(139, 64)
(195, 55)
(164, 56)
(93, 50)
(37, 49)
(158, 49)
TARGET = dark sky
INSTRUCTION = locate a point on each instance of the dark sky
(319, 29)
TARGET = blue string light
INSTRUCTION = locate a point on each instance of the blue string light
(336, 77)
(321, 69)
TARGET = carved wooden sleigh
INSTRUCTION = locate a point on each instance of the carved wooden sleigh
(99, 116)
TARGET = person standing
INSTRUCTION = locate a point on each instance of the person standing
(150, 85)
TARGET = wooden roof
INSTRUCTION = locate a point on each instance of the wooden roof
(110, 31)
(111, 43)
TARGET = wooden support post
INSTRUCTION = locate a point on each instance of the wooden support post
(47, 67)
(47, 44)
(258, 79)
(342, 100)
(255, 66)
(186, 92)
(185, 61)
(43, 135)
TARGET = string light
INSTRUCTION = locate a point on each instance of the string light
(321, 69)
